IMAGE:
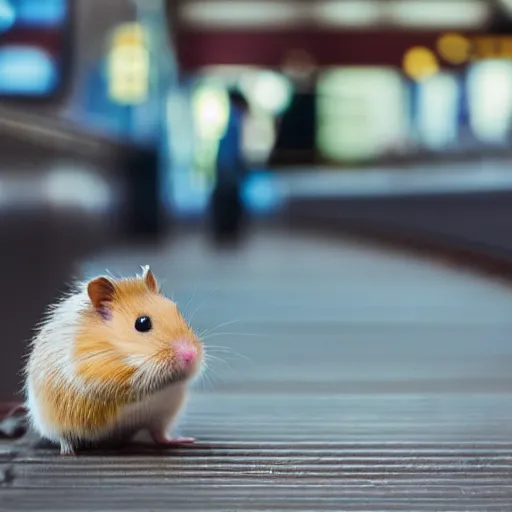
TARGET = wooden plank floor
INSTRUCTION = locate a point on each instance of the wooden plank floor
(350, 379)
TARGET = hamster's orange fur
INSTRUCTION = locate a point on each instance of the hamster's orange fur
(91, 374)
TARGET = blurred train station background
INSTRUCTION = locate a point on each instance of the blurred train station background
(129, 121)
(257, 154)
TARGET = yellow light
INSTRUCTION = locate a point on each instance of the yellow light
(128, 64)
(128, 34)
(420, 63)
(454, 48)
(128, 73)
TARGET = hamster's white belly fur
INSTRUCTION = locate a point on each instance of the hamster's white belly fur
(155, 413)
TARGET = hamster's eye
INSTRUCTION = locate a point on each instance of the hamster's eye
(143, 324)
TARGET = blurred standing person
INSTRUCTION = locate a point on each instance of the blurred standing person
(296, 137)
(227, 208)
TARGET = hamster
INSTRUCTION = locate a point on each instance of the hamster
(110, 360)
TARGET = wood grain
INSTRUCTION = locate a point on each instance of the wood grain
(352, 379)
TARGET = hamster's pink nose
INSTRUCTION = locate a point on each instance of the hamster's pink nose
(186, 353)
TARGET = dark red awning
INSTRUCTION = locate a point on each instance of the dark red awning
(199, 48)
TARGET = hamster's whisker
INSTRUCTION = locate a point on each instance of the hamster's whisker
(220, 347)
(206, 376)
(203, 378)
(189, 321)
(210, 357)
(185, 309)
(246, 334)
(228, 351)
(206, 332)
(196, 310)
(214, 374)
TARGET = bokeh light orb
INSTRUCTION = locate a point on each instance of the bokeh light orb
(420, 63)
(454, 48)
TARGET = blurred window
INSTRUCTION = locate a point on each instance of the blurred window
(438, 99)
(362, 113)
(490, 100)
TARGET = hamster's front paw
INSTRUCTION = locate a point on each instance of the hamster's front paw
(162, 439)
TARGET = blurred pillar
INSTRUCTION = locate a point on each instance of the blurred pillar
(150, 173)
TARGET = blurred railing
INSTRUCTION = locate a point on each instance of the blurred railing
(465, 211)
(53, 133)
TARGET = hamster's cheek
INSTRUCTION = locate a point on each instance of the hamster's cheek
(136, 361)
(135, 345)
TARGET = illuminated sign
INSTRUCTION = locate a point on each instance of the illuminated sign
(458, 49)
(128, 65)
(489, 47)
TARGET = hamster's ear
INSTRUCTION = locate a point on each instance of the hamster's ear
(150, 279)
(101, 292)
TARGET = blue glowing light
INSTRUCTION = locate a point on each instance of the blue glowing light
(26, 70)
(261, 193)
(39, 13)
(7, 15)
